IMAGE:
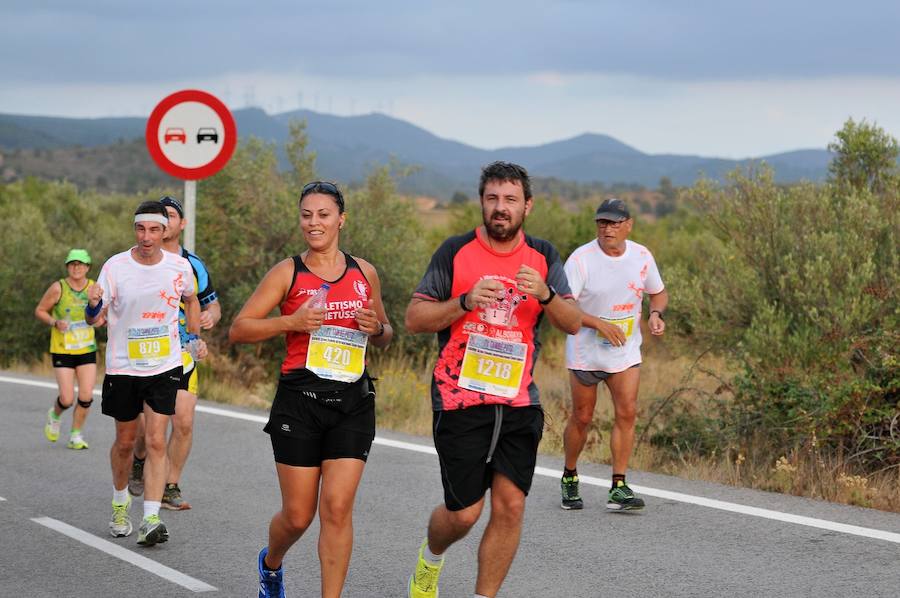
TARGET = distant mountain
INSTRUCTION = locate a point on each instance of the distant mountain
(348, 147)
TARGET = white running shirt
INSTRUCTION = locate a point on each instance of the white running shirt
(610, 288)
(142, 319)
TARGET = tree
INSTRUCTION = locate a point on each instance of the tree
(865, 157)
(459, 198)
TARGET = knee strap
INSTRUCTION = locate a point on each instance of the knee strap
(61, 406)
(85, 404)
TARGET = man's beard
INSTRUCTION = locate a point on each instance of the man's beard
(497, 229)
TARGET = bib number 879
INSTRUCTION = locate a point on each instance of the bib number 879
(337, 356)
(149, 347)
(494, 369)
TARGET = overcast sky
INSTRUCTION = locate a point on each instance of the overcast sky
(703, 77)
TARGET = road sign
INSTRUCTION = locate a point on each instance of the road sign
(191, 134)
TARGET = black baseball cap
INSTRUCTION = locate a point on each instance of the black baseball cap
(614, 210)
(172, 203)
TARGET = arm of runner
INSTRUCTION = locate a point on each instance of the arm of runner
(191, 313)
(372, 319)
(42, 312)
(610, 332)
(210, 315)
(95, 295)
(253, 324)
(423, 315)
(658, 303)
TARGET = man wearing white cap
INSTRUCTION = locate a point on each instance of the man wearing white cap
(609, 277)
(139, 291)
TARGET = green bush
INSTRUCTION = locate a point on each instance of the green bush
(799, 285)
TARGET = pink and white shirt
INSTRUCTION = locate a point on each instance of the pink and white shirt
(142, 319)
(610, 288)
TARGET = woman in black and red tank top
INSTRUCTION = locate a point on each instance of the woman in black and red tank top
(322, 420)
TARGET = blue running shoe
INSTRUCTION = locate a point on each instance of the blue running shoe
(271, 583)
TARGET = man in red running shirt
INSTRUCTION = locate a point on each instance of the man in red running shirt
(484, 294)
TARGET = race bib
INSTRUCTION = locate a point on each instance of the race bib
(626, 325)
(148, 346)
(493, 366)
(337, 353)
(78, 336)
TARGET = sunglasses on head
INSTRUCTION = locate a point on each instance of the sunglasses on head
(324, 187)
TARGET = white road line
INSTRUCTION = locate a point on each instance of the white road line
(711, 503)
(664, 494)
(722, 505)
(167, 573)
(1, 498)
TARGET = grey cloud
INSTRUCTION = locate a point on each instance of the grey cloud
(112, 41)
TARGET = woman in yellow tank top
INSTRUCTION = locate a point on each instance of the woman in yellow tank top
(73, 348)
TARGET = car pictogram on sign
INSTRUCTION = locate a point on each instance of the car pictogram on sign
(174, 134)
(207, 134)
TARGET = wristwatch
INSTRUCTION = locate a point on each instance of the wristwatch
(549, 297)
(462, 302)
(659, 313)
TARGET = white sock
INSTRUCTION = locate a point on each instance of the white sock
(434, 559)
(481, 596)
(151, 507)
(120, 497)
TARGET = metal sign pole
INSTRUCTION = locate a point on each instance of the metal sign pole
(190, 213)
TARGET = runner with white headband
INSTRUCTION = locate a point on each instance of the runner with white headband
(138, 291)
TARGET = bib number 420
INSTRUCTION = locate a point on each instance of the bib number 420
(336, 356)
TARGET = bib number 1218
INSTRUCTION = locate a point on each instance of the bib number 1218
(494, 369)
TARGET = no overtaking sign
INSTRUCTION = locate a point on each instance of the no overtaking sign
(191, 134)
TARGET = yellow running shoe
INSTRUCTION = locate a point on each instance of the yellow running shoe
(424, 582)
(77, 442)
(51, 428)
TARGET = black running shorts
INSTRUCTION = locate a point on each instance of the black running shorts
(124, 396)
(305, 432)
(64, 360)
(464, 438)
(189, 381)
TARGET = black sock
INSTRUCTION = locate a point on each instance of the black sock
(139, 460)
(618, 477)
(570, 473)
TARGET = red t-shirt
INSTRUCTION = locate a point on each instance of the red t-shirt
(455, 267)
(347, 294)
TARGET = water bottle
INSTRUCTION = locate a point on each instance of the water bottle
(68, 319)
(193, 346)
(320, 299)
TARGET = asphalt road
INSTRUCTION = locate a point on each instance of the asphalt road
(694, 539)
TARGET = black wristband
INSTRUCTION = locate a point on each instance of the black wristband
(549, 297)
(462, 302)
(659, 313)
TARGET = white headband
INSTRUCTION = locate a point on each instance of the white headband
(151, 218)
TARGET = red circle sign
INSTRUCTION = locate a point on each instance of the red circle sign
(191, 134)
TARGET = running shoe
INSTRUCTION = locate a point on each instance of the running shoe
(120, 525)
(571, 500)
(621, 498)
(152, 531)
(424, 582)
(271, 582)
(136, 479)
(76, 442)
(172, 499)
(51, 428)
